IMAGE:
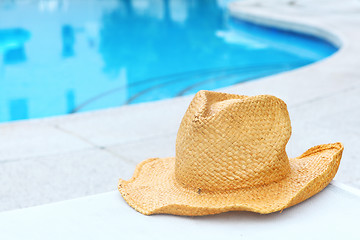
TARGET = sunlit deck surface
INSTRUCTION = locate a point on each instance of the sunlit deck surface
(107, 216)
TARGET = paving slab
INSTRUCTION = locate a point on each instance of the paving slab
(23, 139)
(126, 124)
(136, 152)
(34, 181)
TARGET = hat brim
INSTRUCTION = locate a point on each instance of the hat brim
(153, 189)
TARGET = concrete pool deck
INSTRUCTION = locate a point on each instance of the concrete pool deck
(65, 157)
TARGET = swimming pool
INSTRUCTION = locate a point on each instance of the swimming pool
(59, 57)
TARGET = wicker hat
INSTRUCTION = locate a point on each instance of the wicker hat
(230, 156)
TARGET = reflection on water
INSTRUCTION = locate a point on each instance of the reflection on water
(149, 42)
(18, 109)
(70, 100)
(14, 55)
(12, 45)
(85, 55)
(7, 4)
(9, 37)
(13, 38)
(52, 5)
(68, 39)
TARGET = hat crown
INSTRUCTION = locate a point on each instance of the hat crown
(227, 141)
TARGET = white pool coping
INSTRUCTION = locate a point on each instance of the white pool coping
(59, 158)
(107, 216)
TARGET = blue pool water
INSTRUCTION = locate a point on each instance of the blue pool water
(59, 57)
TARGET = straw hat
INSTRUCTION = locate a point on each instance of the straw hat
(230, 156)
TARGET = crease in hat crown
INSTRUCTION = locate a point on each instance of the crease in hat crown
(226, 142)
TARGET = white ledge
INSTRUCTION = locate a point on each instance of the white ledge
(331, 214)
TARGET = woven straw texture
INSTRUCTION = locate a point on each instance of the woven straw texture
(230, 156)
